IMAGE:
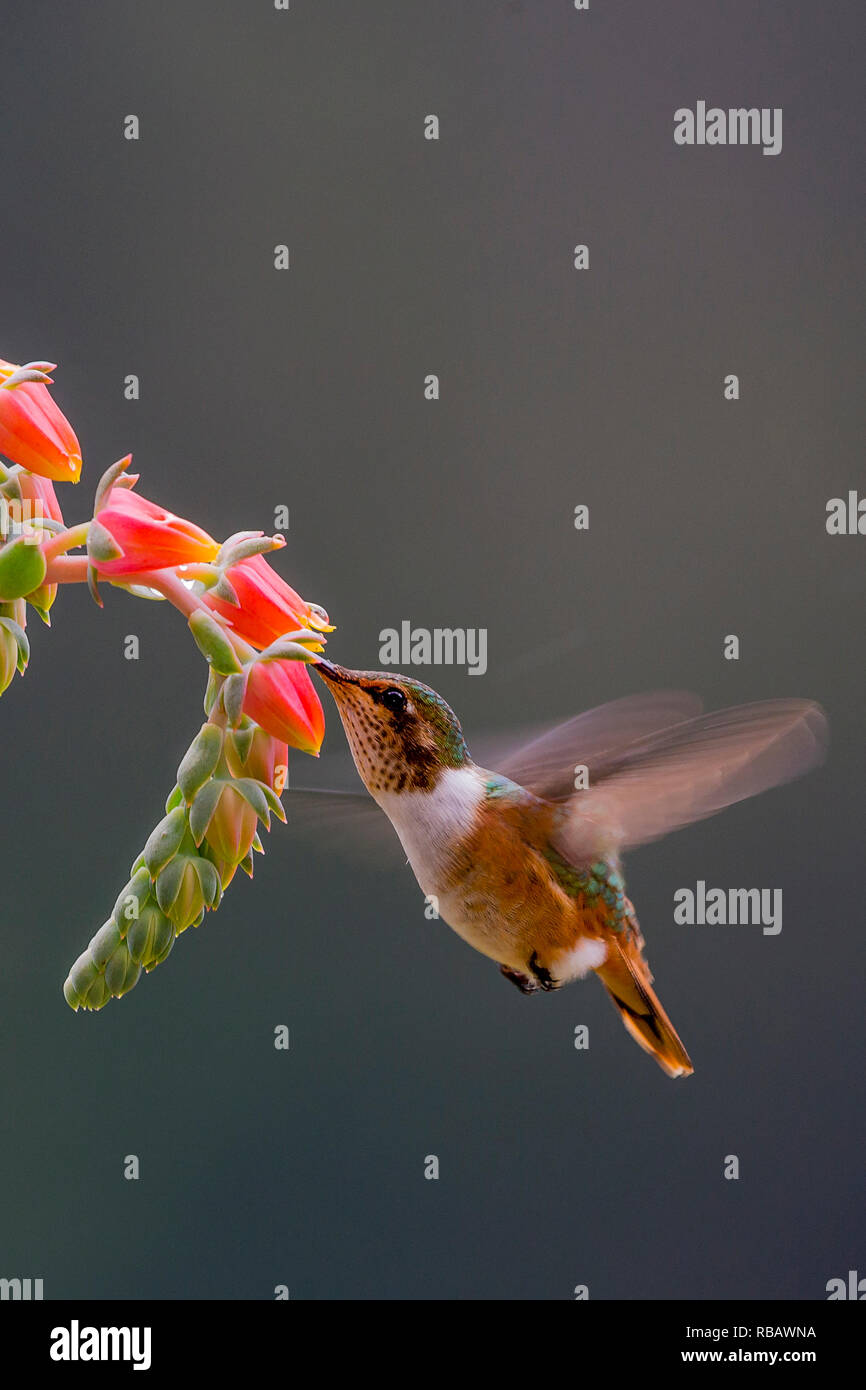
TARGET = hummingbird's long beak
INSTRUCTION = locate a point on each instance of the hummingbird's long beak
(330, 672)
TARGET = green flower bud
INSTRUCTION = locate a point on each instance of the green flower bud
(132, 899)
(210, 882)
(164, 950)
(98, 994)
(203, 807)
(79, 980)
(82, 975)
(234, 693)
(214, 686)
(121, 972)
(14, 644)
(71, 995)
(150, 937)
(22, 568)
(42, 599)
(8, 658)
(211, 640)
(200, 760)
(179, 891)
(85, 986)
(104, 944)
(165, 841)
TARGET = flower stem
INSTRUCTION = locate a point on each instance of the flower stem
(66, 540)
(67, 569)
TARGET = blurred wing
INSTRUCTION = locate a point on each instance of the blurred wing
(688, 772)
(348, 822)
(546, 764)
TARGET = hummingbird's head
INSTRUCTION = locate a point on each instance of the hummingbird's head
(401, 733)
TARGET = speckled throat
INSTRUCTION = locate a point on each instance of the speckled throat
(395, 751)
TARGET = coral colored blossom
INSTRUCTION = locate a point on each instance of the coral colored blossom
(150, 537)
(34, 432)
(269, 607)
(280, 697)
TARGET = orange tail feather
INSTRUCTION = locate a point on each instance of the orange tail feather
(626, 976)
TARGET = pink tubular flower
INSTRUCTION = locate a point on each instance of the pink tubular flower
(149, 537)
(280, 697)
(34, 432)
(269, 607)
(40, 493)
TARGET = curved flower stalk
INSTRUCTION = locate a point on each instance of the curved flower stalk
(254, 630)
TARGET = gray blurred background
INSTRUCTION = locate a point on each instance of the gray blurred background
(258, 388)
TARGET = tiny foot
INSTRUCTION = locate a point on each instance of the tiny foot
(525, 983)
(543, 977)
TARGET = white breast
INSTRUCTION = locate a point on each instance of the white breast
(429, 823)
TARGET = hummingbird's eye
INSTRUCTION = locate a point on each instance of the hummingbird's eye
(394, 700)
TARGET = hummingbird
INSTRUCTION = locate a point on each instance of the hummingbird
(525, 863)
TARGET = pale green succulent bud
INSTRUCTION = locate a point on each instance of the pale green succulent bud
(185, 887)
(79, 980)
(203, 807)
(14, 644)
(121, 972)
(164, 948)
(42, 601)
(164, 842)
(132, 899)
(233, 695)
(104, 944)
(212, 642)
(214, 686)
(106, 968)
(99, 994)
(150, 937)
(8, 657)
(200, 760)
(71, 995)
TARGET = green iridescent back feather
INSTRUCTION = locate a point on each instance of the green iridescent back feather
(595, 883)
